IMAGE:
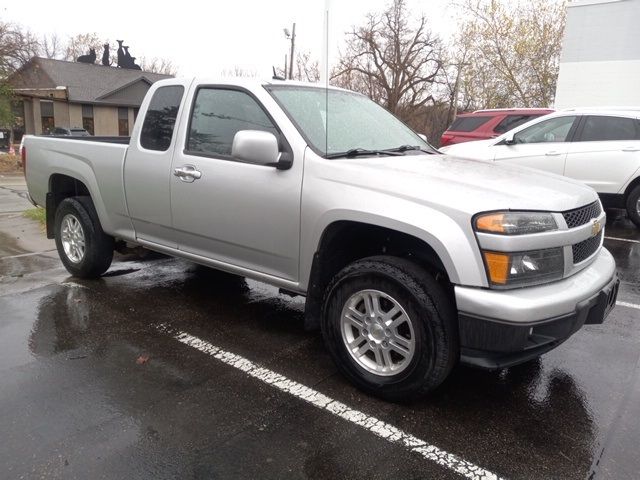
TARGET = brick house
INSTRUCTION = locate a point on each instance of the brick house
(55, 93)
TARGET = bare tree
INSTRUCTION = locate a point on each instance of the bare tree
(238, 71)
(158, 65)
(80, 45)
(393, 59)
(17, 47)
(51, 46)
(306, 69)
(511, 52)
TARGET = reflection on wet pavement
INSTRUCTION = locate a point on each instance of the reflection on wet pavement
(76, 402)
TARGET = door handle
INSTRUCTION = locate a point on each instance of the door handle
(553, 153)
(187, 173)
(631, 149)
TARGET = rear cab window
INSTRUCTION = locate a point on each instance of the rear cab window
(469, 124)
(160, 119)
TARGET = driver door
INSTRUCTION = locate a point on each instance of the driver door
(543, 145)
(238, 213)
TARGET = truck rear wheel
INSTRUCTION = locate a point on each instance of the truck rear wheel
(633, 206)
(390, 327)
(85, 250)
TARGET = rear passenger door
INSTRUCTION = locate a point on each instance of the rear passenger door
(605, 152)
(147, 168)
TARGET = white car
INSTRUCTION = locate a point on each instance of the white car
(600, 147)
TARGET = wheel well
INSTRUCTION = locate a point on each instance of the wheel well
(61, 187)
(629, 189)
(344, 242)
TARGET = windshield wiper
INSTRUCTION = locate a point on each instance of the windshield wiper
(358, 152)
(406, 148)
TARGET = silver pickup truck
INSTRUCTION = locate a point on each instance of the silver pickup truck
(410, 261)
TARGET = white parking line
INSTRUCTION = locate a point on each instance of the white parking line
(628, 305)
(622, 239)
(377, 427)
(28, 254)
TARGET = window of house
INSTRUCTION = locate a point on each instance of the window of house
(157, 129)
(606, 128)
(17, 108)
(218, 114)
(46, 114)
(123, 121)
(87, 118)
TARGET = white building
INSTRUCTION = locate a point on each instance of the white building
(600, 61)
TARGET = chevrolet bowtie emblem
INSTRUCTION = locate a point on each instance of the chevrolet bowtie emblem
(595, 228)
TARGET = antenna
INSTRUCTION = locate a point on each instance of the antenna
(324, 71)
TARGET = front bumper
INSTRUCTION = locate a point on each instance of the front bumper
(503, 328)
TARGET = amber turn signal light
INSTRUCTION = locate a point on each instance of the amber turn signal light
(491, 223)
(497, 267)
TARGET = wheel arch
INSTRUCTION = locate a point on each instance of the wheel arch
(345, 241)
(61, 186)
(632, 185)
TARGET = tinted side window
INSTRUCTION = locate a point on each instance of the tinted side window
(160, 119)
(552, 130)
(469, 124)
(609, 128)
(218, 114)
(512, 121)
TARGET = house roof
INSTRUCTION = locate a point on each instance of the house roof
(85, 83)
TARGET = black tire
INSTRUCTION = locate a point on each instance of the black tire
(632, 206)
(432, 316)
(99, 246)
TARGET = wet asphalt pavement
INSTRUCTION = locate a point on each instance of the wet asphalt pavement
(92, 385)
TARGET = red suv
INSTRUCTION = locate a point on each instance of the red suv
(483, 124)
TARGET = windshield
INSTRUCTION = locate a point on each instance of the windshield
(353, 122)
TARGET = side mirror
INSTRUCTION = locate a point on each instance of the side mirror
(423, 137)
(255, 146)
(508, 138)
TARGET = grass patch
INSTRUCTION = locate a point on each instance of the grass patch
(10, 164)
(38, 214)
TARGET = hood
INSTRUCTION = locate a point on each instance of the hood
(476, 149)
(461, 185)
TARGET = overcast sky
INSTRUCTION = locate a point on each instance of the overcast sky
(205, 38)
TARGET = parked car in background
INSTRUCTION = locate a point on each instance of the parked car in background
(483, 124)
(72, 132)
(600, 147)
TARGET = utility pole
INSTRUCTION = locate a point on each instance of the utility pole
(293, 46)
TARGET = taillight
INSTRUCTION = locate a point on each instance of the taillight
(23, 155)
(445, 140)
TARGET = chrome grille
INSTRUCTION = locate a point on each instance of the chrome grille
(582, 215)
(586, 248)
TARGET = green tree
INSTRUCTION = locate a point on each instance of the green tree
(507, 53)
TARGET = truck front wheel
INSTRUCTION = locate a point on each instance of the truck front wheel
(85, 250)
(390, 327)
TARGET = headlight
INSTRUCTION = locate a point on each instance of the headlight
(509, 270)
(515, 223)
